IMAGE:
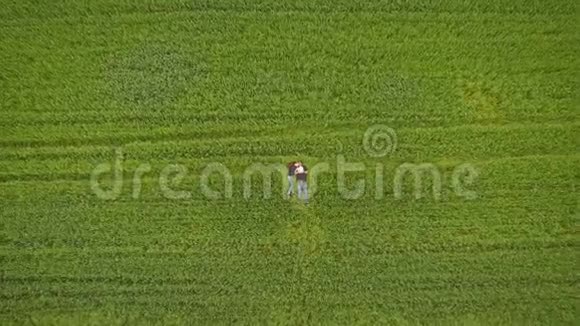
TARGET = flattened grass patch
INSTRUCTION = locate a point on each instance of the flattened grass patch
(151, 75)
(484, 100)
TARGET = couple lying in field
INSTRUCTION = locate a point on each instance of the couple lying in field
(298, 171)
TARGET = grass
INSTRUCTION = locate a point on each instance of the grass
(490, 83)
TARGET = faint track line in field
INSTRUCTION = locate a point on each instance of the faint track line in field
(33, 120)
(224, 133)
(422, 284)
(92, 117)
(263, 135)
(188, 11)
(464, 250)
(240, 122)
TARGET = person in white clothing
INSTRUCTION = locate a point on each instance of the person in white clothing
(301, 173)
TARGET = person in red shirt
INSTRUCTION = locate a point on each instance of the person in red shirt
(291, 171)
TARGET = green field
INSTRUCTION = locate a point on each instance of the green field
(490, 84)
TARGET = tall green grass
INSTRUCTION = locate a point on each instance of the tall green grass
(490, 83)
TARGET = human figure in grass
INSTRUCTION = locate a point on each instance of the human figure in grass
(301, 172)
(291, 171)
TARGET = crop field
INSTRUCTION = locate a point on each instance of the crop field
(441, 136)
